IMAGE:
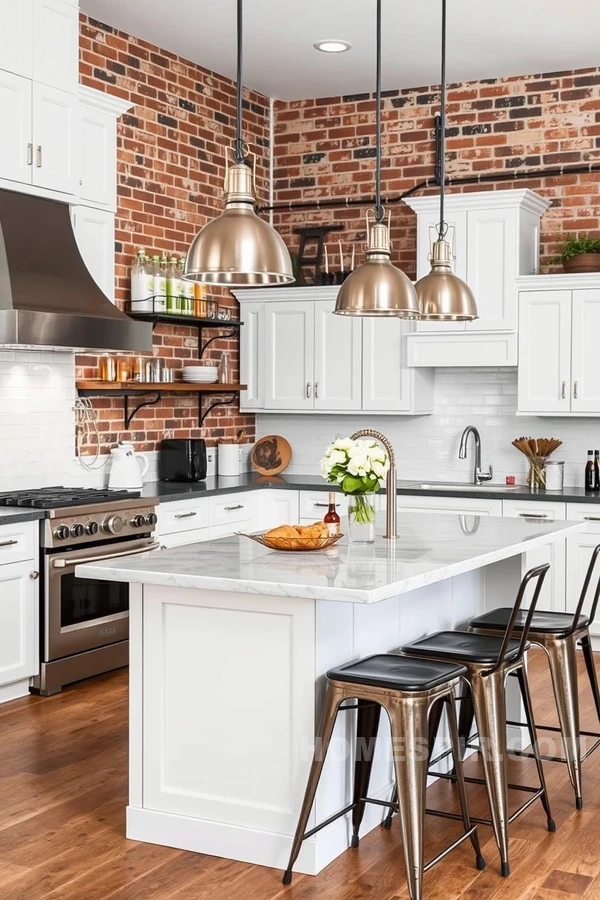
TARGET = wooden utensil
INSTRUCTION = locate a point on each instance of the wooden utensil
(537, 451)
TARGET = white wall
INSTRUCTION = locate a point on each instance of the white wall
(427, 446)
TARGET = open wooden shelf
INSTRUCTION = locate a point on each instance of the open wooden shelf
(180, 319)
(151, 387)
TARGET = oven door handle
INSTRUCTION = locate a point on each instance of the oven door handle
(62, 563)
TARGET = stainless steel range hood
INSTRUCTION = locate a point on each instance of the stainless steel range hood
(47, 296)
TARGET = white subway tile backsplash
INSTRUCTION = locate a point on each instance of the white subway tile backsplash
(427, 446)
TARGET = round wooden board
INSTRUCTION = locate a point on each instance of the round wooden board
(271, 455)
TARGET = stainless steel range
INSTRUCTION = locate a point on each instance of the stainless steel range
(84, 624)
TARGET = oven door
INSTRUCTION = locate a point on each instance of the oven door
(81, 613)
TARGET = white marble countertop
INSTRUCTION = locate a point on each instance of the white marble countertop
(429, 549)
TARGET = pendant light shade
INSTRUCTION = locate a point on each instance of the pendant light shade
(377, 288)
(239, 249)
(443, 296)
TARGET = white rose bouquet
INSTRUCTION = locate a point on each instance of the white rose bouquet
(359, 467)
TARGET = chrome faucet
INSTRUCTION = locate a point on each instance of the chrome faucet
(391, 510)
(479, 476)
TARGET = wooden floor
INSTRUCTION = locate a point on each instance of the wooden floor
(63, 790)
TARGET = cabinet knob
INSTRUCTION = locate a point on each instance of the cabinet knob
(35, 575)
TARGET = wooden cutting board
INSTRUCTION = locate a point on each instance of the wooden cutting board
(271, 455)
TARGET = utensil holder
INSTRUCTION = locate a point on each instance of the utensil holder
(536, 478)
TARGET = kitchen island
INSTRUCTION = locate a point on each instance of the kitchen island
(229, 644)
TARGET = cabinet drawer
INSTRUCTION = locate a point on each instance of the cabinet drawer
(314, 504)
(530, 509)
(180, 538)
(231, 508)
(182, 516)
(18, 542)
(450, 505)
(220, 531)
(585, 512)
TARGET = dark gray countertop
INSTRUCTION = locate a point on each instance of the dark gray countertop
(11, 514)
(169, 491)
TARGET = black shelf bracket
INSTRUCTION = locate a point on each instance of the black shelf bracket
(222, 401)
(217, 337)
(128, 414)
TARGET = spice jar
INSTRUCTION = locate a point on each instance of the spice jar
(108, 369)
(123, 370)
(139, 369)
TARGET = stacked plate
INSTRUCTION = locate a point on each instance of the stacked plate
(200, 374)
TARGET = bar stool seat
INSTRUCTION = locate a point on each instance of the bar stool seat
(397, 672)
(463, 646)
(548, 621)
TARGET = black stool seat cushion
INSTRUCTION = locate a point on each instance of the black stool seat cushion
(462, 646)
(544, 622)
(397, 672)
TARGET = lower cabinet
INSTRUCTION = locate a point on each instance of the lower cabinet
(184, 522)
(19, 617)
(579, 552)
(449, 505)
(552, 595)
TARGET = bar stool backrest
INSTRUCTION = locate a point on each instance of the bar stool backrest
(584, 591)
(538, 574)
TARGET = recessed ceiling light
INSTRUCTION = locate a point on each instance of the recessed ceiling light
(332, 46)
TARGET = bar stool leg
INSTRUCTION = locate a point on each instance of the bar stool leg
(367, 725)
(333, 698)
(588, 655)
(531, 727)
(466, 715)
(460, 778)
(489, 701)
(409, 723)
(563, 668)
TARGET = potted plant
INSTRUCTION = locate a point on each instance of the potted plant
(359, 468)
(581, 254)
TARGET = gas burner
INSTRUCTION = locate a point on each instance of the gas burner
(58, 497)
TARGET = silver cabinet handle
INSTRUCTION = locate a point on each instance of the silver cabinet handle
(326, 505)
(35, 575)
(316, 390)
(308, 390)
(62, 563)
(592, 518)
(189, 515)
(230, 508)
(564, 390)
(29, 154)
(575, 391)
(533, 515)
(39, 156)
(8, 543)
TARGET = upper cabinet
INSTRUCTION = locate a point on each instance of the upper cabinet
(297, 356)
(496, 239)
(16, 37)
(97, 160)
(95, 235)
(559, 364)
(39, 39)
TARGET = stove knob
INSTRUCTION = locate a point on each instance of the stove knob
(91, 528)
(151, 519)
(138, 521)
(61, 532)
(77, 530)
(114, 524)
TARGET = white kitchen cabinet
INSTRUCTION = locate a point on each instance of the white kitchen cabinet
(95, 235)
(183, 538)
(97, 146)
(56, 44)
(289, 355)
(559, 364)
(16, 146)
(493, 265)
(388, 385)
(55, 114)
(338, 374)
(579, 552)
(18, 620)
(468, 506)
(552, 595)
(252, 348)
(16, 44)
(279, 508)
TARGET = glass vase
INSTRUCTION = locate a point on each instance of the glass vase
(361, 518)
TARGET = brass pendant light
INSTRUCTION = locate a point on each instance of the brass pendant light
(377, 288)
(239, 249)
(443, 296)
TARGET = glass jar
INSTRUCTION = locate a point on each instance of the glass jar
(361, 518)
(108, 368)
(225, 376)
(555, 474)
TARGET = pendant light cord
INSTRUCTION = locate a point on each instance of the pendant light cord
(442, 227)
(378, 207)
(240, 156)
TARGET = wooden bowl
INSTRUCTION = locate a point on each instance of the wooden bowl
(271, 455)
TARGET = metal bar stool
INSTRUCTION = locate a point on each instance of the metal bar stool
(489, 659)
(558, 634)
(408, 690)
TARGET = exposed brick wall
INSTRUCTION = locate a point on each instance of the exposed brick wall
(324, 148)
(170, 177)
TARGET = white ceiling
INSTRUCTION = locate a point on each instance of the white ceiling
(485, 39)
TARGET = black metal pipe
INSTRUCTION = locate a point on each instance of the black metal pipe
(485, 178)
(442, 227)
(239, 141)
(378, 206)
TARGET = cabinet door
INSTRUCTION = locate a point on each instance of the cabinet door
(457, 236)
(386, 378)
(467, 506)
(579, 552)
(278, 508)
(16, 27)
(16, 148)
(97, 161)
(55, 139)
(492, 256)
(289, 355)
(95, 235)
(544, 351)
(56, 44)
(18, 622)
(585, 359)
(553, 591)
(252, 368)
(338, 374)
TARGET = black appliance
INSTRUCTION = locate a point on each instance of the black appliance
(183, 459)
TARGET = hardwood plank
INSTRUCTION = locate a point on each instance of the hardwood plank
(568, 882)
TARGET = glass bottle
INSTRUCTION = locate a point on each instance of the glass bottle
(332, 519)
(172, 282)
(142, 284)
(188, 297)
(596, 485)
(589, 471)
(160, 285)
(225, 375)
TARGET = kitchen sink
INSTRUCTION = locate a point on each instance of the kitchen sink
(462, 486)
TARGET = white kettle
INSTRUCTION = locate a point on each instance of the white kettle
(127, 468)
